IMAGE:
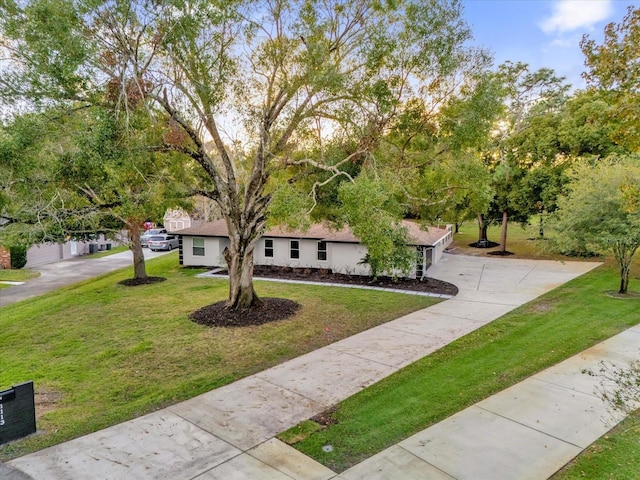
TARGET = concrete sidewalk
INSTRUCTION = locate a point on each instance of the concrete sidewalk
(526, 432)
(228, 433)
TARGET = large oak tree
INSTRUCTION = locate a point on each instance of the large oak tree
(248, 87)
(528, 95)
(71, 176)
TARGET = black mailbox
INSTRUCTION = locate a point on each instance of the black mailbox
(17, 412)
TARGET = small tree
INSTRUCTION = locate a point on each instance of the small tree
(602, 210)
(619, 386)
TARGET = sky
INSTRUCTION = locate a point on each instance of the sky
(542, 33)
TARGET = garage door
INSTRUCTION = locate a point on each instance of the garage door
(45, 253)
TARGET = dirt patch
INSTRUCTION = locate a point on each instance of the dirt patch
(134, 282)
(542, 307)
(46, 401)
(500, 253)
(624, 296)
(326, 418)
(271, 310)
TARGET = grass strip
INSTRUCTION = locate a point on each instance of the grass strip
(100, 353)
(533, 337)
(21, 275)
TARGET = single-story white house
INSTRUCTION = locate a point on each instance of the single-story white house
(318, 247)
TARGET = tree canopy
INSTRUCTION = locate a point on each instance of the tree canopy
(602, 210)
(531, 98)
(261, 95)
(73, 176)
(614, 69)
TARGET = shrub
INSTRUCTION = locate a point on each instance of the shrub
(18, 256)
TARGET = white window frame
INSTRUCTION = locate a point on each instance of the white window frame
(197, 250)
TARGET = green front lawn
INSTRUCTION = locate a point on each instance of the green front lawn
(522, 242)
(513, 347)
(100, 353)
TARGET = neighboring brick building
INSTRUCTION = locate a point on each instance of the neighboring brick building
(5, 258)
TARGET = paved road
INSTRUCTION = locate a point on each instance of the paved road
(67, 272)
(526, 432)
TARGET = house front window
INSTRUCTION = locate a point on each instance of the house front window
(294, 249)
(268, 247)
(322, 251)
(198, 247)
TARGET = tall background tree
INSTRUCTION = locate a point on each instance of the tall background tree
(250, 87)
(527, 97)
(613, 68)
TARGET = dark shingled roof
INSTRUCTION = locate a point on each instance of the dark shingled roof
(218, 228)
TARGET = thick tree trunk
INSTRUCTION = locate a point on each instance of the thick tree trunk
(624, 280)
(239, 258)
(625, 269)
(482, 229)
(623, 251)
(503, 233)
(139, 267)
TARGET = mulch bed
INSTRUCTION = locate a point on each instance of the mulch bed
(271, 310)
(428, 285)
(274, 309)
(134, 282)
(484, 244)
(500, 253)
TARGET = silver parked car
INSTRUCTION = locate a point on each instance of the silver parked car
(144, 239)
(163, 242)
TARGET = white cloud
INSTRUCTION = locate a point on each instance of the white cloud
(570, 15)
(565, 42)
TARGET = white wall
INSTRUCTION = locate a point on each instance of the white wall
(444, 242)
(46, 253)
(341, 257)
(346, 256)
(213, 248)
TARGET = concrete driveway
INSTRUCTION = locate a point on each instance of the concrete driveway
(228, 433)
